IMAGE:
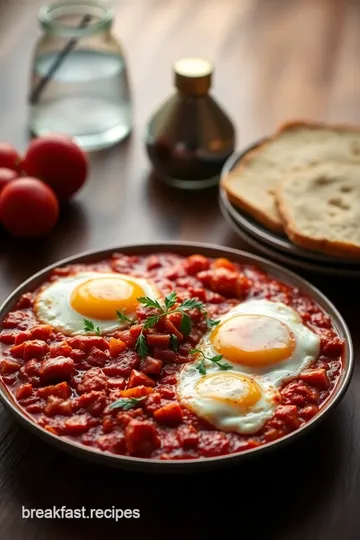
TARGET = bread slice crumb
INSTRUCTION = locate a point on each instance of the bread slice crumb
(294, 147)
(320, 208)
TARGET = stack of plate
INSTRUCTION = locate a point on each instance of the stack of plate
(277, 246)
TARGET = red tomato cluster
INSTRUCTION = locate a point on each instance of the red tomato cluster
(52, 170)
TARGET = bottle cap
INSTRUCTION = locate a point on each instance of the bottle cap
(193, 75)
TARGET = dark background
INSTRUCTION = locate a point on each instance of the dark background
(274, 60)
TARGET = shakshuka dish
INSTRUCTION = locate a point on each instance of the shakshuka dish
(168, 357)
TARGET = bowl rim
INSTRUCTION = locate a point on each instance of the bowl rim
(183, 248)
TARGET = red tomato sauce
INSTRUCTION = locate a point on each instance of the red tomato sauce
(66, 383)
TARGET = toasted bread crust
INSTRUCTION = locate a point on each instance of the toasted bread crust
(234, 197)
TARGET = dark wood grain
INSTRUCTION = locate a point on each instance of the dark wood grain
(275, 60)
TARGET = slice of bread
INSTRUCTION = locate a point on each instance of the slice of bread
(320, 208)
(295, 146)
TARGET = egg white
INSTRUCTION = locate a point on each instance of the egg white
(52, 305)
(225, 416)
(306, 350)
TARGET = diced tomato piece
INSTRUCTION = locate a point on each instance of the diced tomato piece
(221, 281)
(222, 262)
(128, 361)
(94, 402)
(169, 379)
(8, 366)
(153, 262)
(61, 390)
(56, 368)
(316, 377)
(300, 393)
(107, 424)
(135, 331)
(117, 346)
(188, 436)
(141, 438)
(151, 366)
(197, 292)
(137, 378)
(7, 337)
(170, 414)
(35, 408)
(196, 263)
(308, 412)
(332, 346)
(273, 433)
(171, 328)
(56, 405)
(32, 367)
(60, 349)
(24, 391)
(162, 341)
(175, 318)
(96, 357)
(21, 337)
(113, 442)
(77, 424)
(137, 391)
(16, 319)
(77, 355)
(164, 355)
(213, 443)
(94, 379)
(35, 349)
(17, 351)
(289, 415)
(42, 331)
(9, 378)
(116, 382)
(166, 392)
(25, 301)
(86, 343)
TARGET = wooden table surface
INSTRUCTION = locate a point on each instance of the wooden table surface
(275, 60)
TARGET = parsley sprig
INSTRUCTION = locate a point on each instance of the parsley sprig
(217, 359)
(123, 318)
(141, 346)
(169, 302)
(126, 403)
(89, 326)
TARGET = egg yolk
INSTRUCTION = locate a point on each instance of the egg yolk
(100, 298)
(230, 388)
(253, 340)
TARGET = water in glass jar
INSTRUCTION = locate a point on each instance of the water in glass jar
(87, 97)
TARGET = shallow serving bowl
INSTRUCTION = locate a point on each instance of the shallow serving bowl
(184, 248)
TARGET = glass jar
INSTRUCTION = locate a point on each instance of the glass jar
(79, 79)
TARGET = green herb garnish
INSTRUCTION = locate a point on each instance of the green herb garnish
(141, 346)
(174, 342)
(90, 327)
(211, 323)
(122, 317)
(169, 303)
(217, 359)
(126, 403)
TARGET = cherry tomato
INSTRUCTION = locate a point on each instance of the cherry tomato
(6, 176)
(28, 208)
(58, 161)
(9, 156)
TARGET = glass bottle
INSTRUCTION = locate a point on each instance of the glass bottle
(190, 137)
(79, 79)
